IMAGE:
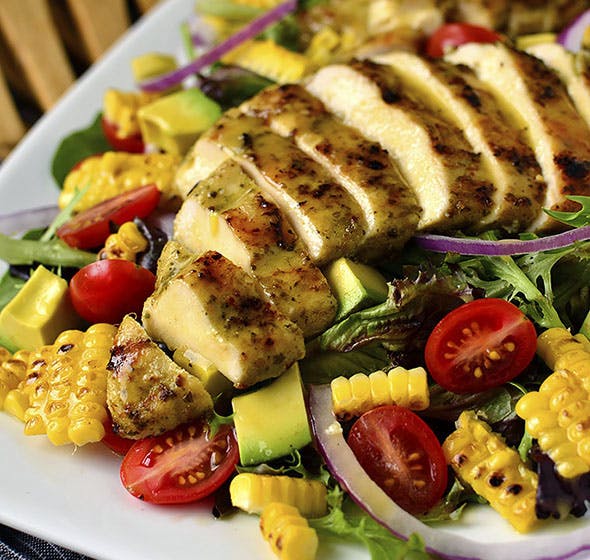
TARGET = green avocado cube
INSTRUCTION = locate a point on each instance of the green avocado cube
(272, 421)
(38, 313)
(355, 286)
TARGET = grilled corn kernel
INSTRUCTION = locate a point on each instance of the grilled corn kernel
(556, 342)
(288, 533)
(322, 46)
(253, 492)
(12, 371)
(113, 173)
(495, 471)
(269, 60)
(120, 108)
(63, 390)
(125, 244)
(360, 393)
(558, 416)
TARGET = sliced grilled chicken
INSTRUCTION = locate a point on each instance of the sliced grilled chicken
(456, 94)
(365, 169)
(325, 217)
(573, 71)
(216, 309)
(173, 258)
(147, 393)
(539, 104)
(433, 155)
(229, 213)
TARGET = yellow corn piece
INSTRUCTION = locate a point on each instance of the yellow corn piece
(265, 4)
(558, 416)
(113, 173)
(495, 471)
(253, 492)
(322, 46)
(12, 371)
(63, 391)
(287, 531)
(270, 60)
(556, 342)
(360, 393)
(125, 244)
(120, 108)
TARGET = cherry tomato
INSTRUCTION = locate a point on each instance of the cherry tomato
(114, 441)
(480, 345)
(133, 144)
(184, 465)
(455, 34)
(91, 227)
(105, 291)
(401, 454)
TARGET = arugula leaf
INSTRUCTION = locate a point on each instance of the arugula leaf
(451, 506)
(291, 465)
(579, 218)
(76, 147)
(9, 287)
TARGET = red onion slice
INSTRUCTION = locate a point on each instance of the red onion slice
(470, 246)
(555, 541)
(24, 220)
(250, 31)
(571, 37)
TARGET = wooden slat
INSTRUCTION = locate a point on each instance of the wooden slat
(100, 23)
(12, 128)
(145, 5)
(32, 36)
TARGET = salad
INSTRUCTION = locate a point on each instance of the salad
(421, 267)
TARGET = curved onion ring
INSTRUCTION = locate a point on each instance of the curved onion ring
(351, 476)
(571, 37)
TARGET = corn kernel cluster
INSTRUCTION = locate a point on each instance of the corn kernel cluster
(125, 244)
(288, 533)
(353, 396)
(63, 390)
(12, 371)
(120, 108)
(494, 470)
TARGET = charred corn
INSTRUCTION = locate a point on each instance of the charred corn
(63, 391)
(253, 492)
(125, 244)
(12, 371)
(495, 471)
(360, 393)
(558, 416)
(288, 533)
(113, 173)
(120, 108)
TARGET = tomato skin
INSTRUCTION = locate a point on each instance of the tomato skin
(90, 228)
(489, 334)
(388, 441)
(455, 34)
(133, 144)
(154, 476)
(105, 291)
(114, 441)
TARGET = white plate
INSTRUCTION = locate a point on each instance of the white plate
(75, 498)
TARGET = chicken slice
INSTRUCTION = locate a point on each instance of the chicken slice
(147, 393)
(433, 155)
(216, 309)
(538, 103)
(228, 212)
(365, 169)
(456, 94)
(325, 217)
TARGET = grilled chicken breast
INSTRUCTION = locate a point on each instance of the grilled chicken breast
(229, 213)
(538, 103)
(147, 393)
(433, 154)
(390, 208)
(455, 93)
(216, 309)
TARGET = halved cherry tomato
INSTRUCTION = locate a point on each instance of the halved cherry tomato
(401, 454)
(105, 291)
(455, 34)
(91, 227)
(133, 144)
(184, 465)
(114, 441)
(480, 345)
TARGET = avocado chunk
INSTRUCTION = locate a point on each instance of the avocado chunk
(38, 313)
(355, 286)
(203, 369)
(272, 421)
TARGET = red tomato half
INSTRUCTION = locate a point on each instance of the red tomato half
(90, 228)
(105, 291)
(455, 34)
(133, 144)
(114, 441)
(480, 345)
(402, 456)
(181, 466)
